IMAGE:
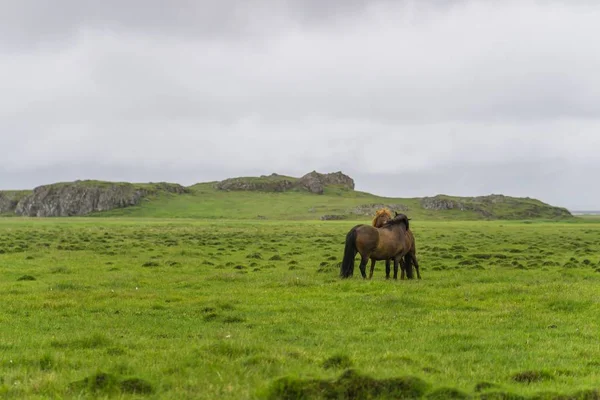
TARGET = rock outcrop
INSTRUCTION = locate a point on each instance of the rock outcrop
(496, 206)
(333, 217)
(271, 183)
(440, 203)
(371, 209)
(85, 197)
(313, 182)
(9, 200)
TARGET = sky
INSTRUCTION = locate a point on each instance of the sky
(410, 98)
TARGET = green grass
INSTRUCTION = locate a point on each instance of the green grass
(235, 309)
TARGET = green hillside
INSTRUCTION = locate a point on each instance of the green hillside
(205, 201)
(314, 196)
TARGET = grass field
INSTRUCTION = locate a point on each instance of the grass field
(175, 309)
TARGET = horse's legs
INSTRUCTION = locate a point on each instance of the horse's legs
(416, 263)
(396, 268)
(363, 266)
(372, 268)
(387, 269)
(402, 269)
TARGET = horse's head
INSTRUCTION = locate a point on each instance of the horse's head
(382, 216)
(396, 213)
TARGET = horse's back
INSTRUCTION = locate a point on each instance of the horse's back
(367, 238)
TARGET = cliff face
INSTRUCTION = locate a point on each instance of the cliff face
(84, 197)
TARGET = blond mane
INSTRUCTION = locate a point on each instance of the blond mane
(381, 213)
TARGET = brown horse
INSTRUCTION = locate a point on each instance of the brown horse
(385, 243)
(382, 216)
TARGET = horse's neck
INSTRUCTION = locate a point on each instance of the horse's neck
(399, 228)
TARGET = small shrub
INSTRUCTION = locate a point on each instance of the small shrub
(531, 376)
(447, 393)
(135, 386)
(149, 264)
(338, 361)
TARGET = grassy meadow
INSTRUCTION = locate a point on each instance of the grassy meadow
(240, 309)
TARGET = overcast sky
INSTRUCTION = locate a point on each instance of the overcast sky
(410, 98)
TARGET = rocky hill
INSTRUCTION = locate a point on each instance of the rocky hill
(496, 206)
(82, 197)
(313, 182)
(312, 196)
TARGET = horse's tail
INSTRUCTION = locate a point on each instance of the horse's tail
(347, 267)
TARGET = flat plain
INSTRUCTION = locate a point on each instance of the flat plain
(182, 308)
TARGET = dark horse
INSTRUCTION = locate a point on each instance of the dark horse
(381, 218)
(385, 243)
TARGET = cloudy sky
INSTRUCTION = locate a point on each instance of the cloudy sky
(410, 98)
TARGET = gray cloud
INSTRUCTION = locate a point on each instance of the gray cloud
(499, 93)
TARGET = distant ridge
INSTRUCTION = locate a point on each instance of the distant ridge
(314, 196)
(67, 199)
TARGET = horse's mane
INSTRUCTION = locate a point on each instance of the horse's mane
(398, 219)
(379, 213)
